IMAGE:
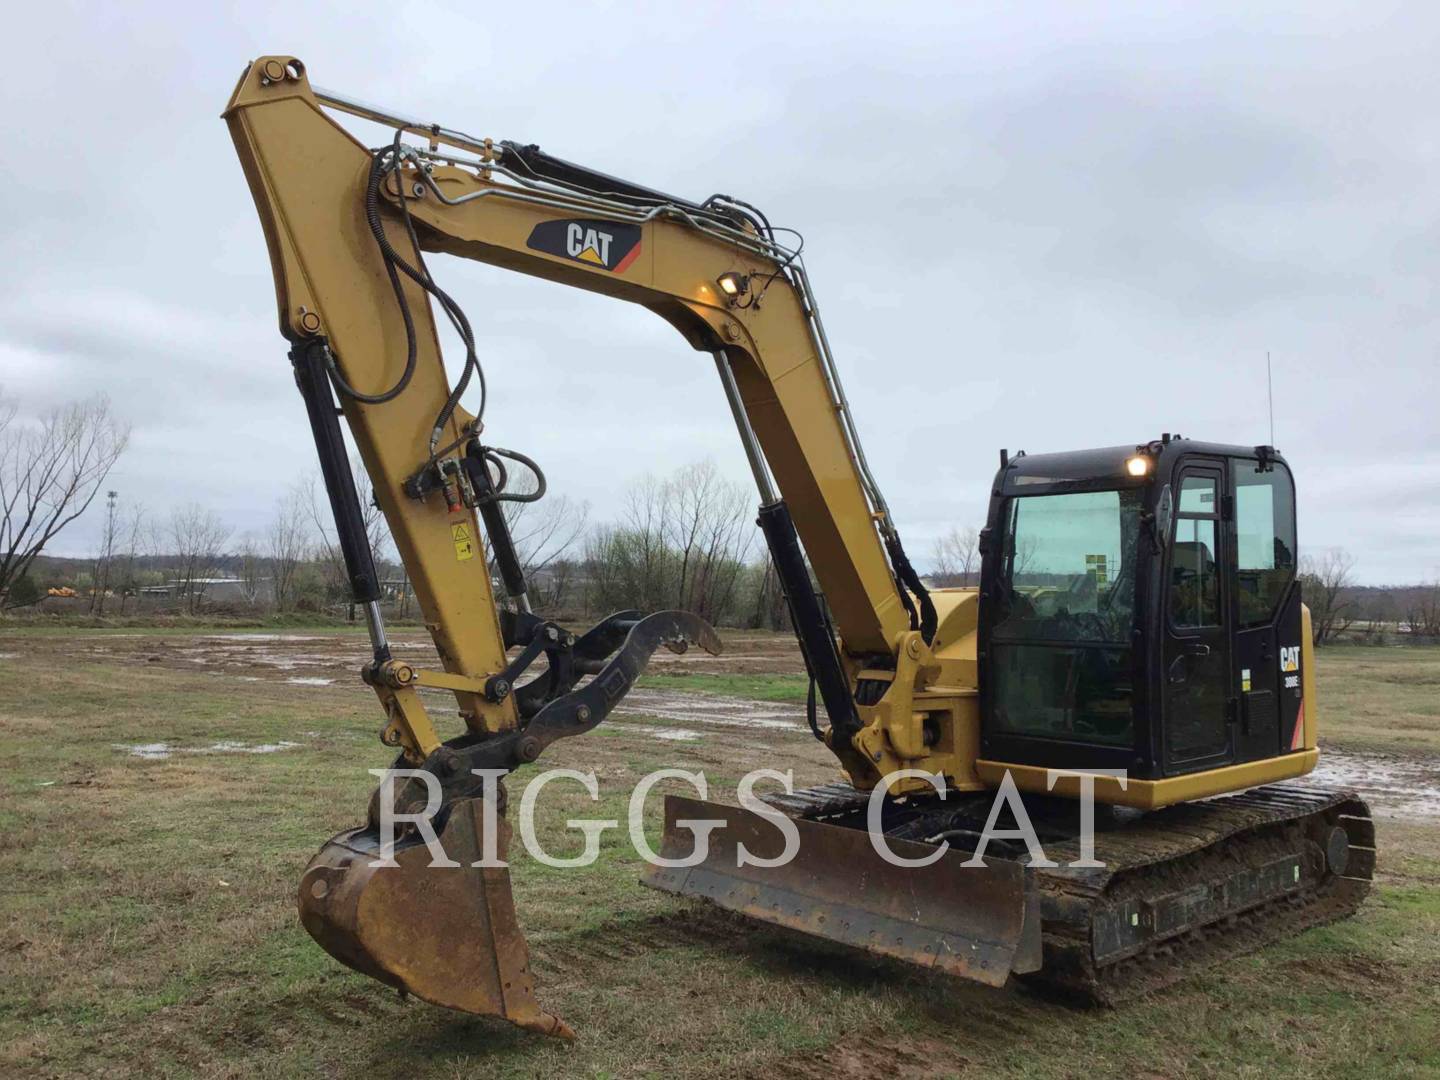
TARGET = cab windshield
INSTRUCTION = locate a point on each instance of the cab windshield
(1061, 639)
(1069, 566)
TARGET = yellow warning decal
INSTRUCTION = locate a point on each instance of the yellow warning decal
(464, 545)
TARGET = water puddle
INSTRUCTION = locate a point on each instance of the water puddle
(1397, 787)
(1394, 786)
(154, 751)
(666, 733)
(713, 709)
(734, 658)
(160, 751)
(309, 681)
(228, 747)
(262, 637)
(282, 652)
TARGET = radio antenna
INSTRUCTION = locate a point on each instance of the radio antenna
(1270, 394)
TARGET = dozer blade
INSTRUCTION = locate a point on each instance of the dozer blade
(980, 922)
(445, 934)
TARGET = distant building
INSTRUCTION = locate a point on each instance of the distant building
(218, 590)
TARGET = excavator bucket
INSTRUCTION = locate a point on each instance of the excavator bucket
(977, 922)
(445, 934)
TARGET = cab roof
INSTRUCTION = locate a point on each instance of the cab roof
(1104, 467)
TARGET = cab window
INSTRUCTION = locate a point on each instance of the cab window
(1265, 539)
(1061, 655)
(1194, 574)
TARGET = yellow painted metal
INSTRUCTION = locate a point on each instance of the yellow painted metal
(1309, 699)
(441, 680)
(407, 723)
(777, 369)
(1153, 794)
(929, 717)
(956, 635)
(307, 176)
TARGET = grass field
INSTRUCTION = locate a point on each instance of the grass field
(150, 926)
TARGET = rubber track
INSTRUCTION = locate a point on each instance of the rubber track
(1185, 846)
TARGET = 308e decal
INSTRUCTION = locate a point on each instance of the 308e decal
(605, 245)
(1290, 662)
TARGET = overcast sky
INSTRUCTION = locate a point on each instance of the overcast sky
(1029, 225)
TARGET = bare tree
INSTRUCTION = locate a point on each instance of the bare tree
(252, 568)
(956, 556)
(771, 611)
(136, 536)
(643, 539)
(107, 552)
(1324, 580)
(1422, 614)
(683, 543)
(1023, 556)
(545, 533)
(287, 542)
(50, 471)
(553, 588)
(707, 519)
(196, 537)
(630, 564)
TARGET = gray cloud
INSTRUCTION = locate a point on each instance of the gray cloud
(1040, 226)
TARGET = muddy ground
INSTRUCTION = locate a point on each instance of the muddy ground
(1397, 784)
(163, 791)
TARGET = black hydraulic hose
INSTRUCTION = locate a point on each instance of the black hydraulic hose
(907, 603)
(762, 226)
(494, 454)
(390, 257)
(457, 320)
(929, 620)
(384, 163)
(810, 713)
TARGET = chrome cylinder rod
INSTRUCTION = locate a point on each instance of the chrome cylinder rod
(381, 115)
(747, 433)
(375, 623)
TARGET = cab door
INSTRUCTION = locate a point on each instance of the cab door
(1266, 610)
(1195, 651)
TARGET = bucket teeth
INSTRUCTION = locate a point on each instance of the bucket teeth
(447, 934)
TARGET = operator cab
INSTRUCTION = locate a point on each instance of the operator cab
(1141, 610)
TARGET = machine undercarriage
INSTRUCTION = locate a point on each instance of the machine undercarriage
(1178, 890)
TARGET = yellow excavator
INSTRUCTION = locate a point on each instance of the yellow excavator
(1135, 667)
